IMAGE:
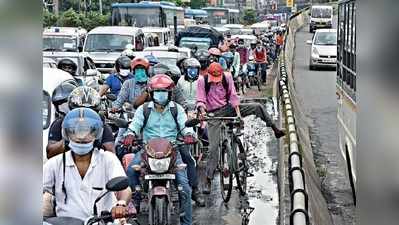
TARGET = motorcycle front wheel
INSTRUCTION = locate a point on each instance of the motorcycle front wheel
(159, 212)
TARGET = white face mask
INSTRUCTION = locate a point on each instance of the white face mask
(124, 72)
(81, 149)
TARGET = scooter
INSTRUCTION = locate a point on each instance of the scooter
(114, 185)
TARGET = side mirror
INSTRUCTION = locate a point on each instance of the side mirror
(111, 97)
(117, 184)
(91, 73)
(192, 122)
(309, 42)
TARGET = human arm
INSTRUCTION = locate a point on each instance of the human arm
(178, 97)
(108, 139)
(201, 94)
(233, 97)
(48, 188)
(103, 89)
(181, 119)
(55, 143)
(141, 99)
(137, 122)
(123, 94)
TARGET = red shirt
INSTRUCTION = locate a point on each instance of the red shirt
(260, 56)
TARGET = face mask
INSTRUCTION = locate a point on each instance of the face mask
(81, 149)
(140, 75)
(192, 73)
(64, 108)
(124, 73)
(161, 97)
(258, 48)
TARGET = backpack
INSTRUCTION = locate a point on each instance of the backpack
(224, 83)
(147, 112)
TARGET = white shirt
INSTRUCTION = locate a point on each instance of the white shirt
(189, 90)
(81, 196)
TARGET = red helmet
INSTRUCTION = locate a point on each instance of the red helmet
(161, 82)
(214, 51)
(139, 61)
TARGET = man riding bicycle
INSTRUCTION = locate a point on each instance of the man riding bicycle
(216, 94)
(260, 55)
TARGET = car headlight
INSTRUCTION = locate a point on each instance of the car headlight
(315, 53)
(159, 165)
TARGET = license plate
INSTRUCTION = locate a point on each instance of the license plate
(159, 177)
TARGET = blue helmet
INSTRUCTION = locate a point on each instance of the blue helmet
(229, 57)
(82, 125)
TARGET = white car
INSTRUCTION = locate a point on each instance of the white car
(51, 79)
(165, 55)
(324, 49)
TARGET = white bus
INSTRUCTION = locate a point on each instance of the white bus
(346, 86)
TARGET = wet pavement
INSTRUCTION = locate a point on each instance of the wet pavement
(316, 90)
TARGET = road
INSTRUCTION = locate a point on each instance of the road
(316, 89)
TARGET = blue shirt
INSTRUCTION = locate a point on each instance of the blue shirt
(129, 92)
(115, 84)
(160, 124)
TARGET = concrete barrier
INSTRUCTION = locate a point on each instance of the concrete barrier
(306, 202)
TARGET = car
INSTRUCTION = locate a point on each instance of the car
(105, 44)
(165, 54)
(52, 77)
(324, 49)
(49, 63)
(63, 39)
(321, 16)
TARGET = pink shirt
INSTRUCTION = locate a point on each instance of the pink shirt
(217, 94)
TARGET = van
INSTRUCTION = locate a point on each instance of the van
(105, 44)
(321, 16)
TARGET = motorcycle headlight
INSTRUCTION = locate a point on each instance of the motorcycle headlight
(159, 165)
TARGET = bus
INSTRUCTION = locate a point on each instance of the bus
(346, 86)
(146, 14)
(218, 16)
(198, 15)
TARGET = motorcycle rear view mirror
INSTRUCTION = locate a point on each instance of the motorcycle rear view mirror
(121, 123)
(111, 97)
(117, 184)
(192, 122)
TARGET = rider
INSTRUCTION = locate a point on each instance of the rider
(115, 81)
(279, 41)
(215, 56)
(235, 67)
(63, 175)
(128, 51)
(82, 96)
(243, 51)
(60, 95)
(188, 82)
(161, 124)
(203, 58)
(260, 55)
(216, 94)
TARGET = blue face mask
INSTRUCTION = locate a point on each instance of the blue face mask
(161, 97)
(140, 75)
(192, 73)
(81, 149)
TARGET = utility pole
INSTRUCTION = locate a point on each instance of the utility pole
(56, 7)
(101, 6)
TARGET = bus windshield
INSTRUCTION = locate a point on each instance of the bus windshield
(326, 38)
(321, 13)
(59, 43)
(107, 42)
(217, 17)
(138, 17)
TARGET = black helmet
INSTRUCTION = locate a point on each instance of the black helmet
(68, 65)
(203, 58)
(84, 96)
(191, 68)
(60, 95)
(123, 62)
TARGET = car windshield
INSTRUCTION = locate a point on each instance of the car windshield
(107, 42)
(201, 43)
(326, 38)
(321, 13)
(59, 43)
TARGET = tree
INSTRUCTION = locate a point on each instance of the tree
(49, 19)
(197, 4)
(249, 16)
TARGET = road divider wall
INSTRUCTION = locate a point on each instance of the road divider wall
(307, 204)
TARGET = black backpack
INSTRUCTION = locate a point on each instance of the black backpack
(224, 83)
(147, 112)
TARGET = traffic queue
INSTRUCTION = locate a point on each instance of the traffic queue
(125, 124)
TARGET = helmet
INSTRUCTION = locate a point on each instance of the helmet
(152, 59)
(161, 82)
(129, 53)
(240, 41)
(191, 69)
(174, 73)
(82, 125)
(214, 51)
(203, 58)
(251, 58)
(229, 57)
(180, 60)
(60, 96)
(123, 62)
(233, 46)
(84, 96)
(140, 61)
(68, 65)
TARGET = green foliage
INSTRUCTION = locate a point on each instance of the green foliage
(70, 18)
(197, 4)
(49, 19)
(249, 17)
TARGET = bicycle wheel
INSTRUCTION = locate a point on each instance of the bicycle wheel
(241, 173)
(226, 177)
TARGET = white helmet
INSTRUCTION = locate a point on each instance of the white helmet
(251, 58)
(129, 46)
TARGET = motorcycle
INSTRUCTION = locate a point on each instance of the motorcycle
(114, 185)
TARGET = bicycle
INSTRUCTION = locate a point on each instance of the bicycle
(231, 163)
(257, 78)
